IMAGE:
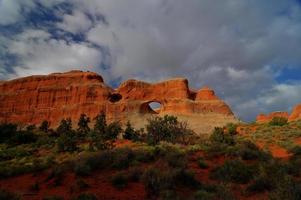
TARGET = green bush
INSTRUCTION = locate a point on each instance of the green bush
(278, 121)
(166, 128)
(14, 152)
(287, 188)
(156, 181)
(231, 128)
(233, 171)
(260, 184)
(44, 126)
(83, 125)
(174, 158)
(7, 195)
(220, 137)
(119, 180)
(103, 136)
(7, 131)
(130, 133)
(67, 136)
(250, 151)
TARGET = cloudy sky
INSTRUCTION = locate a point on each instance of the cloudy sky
(249, 51)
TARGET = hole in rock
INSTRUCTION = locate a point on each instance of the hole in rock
(115, 97)
(155, 107)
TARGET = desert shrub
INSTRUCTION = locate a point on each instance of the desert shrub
(202, 163)
(166, 128)
(83, 125)
(233, 171)
(67, 136)
(130, 133)
(250, 151)
(144, 155)
(119, 180)
(122, 158)
(278, 121)
(7, 195)
(259, 185)
(85, 196)
(45, 140)
(67, 142)
(99, 160)
(286, 189)
(44, 126)
(24, 137)
(26, 165)
(175, 158)
(185, 178)
(156, 181)
(231, 128)
(14, 152)
(219, 136)
(7, 131)
(103, 136)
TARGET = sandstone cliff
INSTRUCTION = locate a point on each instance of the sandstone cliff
(31, 100)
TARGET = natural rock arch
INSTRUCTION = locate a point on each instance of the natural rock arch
(152, 107)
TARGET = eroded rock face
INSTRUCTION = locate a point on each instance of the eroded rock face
(296, 113)
(263, 118)
(31, 100)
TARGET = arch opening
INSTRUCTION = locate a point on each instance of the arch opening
(115, 97)
(152, 107)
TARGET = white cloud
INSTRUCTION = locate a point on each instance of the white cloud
(40, 54)
(10, 10)
(77, 22)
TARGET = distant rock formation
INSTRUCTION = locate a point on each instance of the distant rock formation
(263, 118)
(32, 99)
(296, 113)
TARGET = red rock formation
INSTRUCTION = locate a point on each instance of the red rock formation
(206, 93)
(296, 113)
(262, 118)
(31, 100)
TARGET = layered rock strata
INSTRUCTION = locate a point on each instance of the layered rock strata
(31, 100)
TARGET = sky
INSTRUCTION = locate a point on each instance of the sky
(248, 51)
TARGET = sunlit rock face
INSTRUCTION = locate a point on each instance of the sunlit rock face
(30, 100)
(296, 113)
